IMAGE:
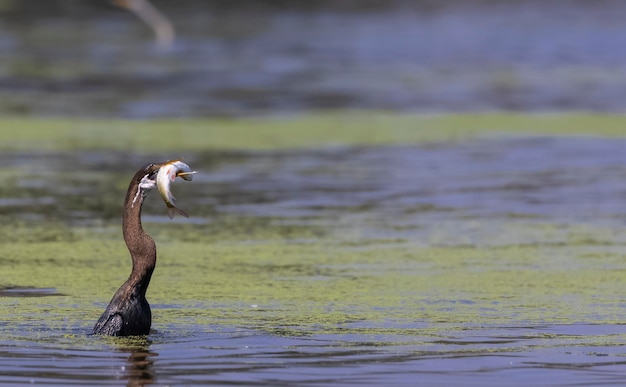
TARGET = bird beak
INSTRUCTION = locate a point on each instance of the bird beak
(186, 175)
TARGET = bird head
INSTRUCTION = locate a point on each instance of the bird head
(145, 178)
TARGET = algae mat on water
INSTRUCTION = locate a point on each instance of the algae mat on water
(321, 287)
(351, 129)
(489, 231)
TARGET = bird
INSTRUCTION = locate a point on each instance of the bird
(149, 14)
(128, 313)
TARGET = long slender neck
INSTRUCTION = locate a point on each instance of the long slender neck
(141, 246)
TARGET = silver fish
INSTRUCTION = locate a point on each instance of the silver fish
(166, 175)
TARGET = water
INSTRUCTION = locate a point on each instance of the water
(496, 261)
(249, 358)
(228, 61)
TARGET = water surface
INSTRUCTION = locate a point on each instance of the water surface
(495, 261)
(420, 56)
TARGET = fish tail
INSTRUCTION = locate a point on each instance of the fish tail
(171, 211)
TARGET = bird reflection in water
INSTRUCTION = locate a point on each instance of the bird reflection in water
(139, 371)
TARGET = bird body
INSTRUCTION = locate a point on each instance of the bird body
(128, 313)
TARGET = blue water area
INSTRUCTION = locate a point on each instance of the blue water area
(420, 56)
(216, 355)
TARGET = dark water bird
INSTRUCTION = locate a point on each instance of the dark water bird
(128, 313)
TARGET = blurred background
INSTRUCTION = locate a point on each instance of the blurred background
(98, 58)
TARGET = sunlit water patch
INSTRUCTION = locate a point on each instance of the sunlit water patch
(490, 262)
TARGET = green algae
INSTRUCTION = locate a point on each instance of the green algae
(322, 287)
(304, 275)
(351, 128)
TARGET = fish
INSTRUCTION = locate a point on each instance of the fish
(166, 175)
